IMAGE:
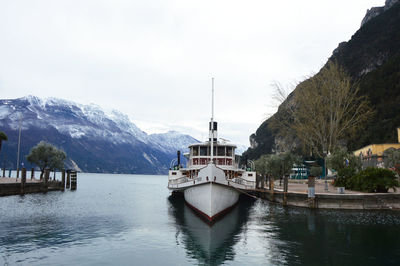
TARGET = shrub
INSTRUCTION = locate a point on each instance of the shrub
(346, 164)
(316, 171)
(377, 180)
(339, 182)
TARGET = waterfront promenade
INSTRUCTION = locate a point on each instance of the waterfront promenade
(300, 186)
(297, 195)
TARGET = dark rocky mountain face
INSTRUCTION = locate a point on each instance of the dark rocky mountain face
(95, 141)
(376, 11)
(372, 58)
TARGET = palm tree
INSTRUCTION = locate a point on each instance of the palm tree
(3, 136)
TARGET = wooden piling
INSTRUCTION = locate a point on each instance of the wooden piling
(23, 180)
(46, 179)
(285, 189)
(68, 179)
(262, 181)
(32, 173)
(311, 192)
(269, 182)
(4, 165)
(272, 188)
(63, 180)
(17, 172)
(285, 183)
(73, 180)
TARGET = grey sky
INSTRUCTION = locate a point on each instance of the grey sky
(154, 60)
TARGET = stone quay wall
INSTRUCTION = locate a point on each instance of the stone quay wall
(362, 201)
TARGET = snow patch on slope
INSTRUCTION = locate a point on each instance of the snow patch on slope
(4, 111)
(87, 121)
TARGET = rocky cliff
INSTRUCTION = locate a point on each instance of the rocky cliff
(372, 58)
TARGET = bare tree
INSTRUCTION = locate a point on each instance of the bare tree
(328, 108)
(281, 122)
(323, 110)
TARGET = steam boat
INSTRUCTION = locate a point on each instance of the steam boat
(212, 180)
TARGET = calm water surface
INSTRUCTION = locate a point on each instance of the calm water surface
(131, 220)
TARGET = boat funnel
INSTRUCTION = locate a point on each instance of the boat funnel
(213, 135)
(178, 154)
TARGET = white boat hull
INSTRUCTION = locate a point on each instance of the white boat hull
(211, 199)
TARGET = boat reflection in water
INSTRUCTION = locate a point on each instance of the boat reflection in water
(209, 243)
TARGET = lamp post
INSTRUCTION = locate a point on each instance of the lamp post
(326, 181)
(19, 143)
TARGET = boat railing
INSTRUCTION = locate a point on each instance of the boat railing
(242, 181)
(184, 179)
(178, 180)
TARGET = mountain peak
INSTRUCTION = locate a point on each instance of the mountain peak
(97, 140)
(376, 11)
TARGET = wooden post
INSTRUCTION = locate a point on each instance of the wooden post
(269, 182)
(32, 173)
(272, 180)
(285, 189)
(23, 180)
(4, 165)
(285, 183)
(73, 180)
(63, 180)
(311, 192)
(262, 181)
(46, 179)
(68, 178)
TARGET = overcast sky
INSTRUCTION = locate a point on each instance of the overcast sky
(154, 59)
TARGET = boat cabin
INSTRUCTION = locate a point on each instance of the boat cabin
(200, 154)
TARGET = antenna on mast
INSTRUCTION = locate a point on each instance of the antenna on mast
(212, 101)
(213, 136)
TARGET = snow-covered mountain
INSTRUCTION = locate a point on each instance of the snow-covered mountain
(95, 140)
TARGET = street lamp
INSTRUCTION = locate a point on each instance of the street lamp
(19, 143)
(326, 181)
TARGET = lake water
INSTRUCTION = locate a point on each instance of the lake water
(131, 220)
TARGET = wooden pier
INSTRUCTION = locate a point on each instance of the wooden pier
(20, 186)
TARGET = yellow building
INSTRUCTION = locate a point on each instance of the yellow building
(372, 155)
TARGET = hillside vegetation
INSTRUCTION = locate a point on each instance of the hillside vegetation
(372, 58)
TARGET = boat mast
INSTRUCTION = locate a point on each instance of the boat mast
(213, 125)
(212, 99)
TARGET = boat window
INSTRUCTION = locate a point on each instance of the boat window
(221, 151)
(203, 151)
(229, 151)
(195, 150)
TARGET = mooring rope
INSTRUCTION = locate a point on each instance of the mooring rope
(241, 191)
